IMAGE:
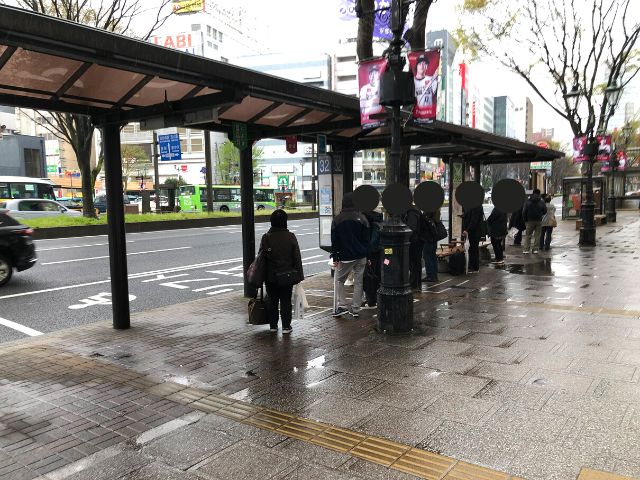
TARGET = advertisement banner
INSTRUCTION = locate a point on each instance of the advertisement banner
(369, 83)
(188, 6)
(604, 148)
(622, 163)
(578, 149)
(382, 16)
(292, 143)
(424, 66)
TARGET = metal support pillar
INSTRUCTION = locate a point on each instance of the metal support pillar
(156, 171)
(314, 201)
(117, 234)
(347, 162)
(611, 201)
(209, 172)
(476, 172)
(247, 210)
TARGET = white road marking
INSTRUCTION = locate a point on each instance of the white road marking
(20, 328)
(179, 283)
(163, 277)
(462, 283)
(313, 263)
(218, 292)
(441, 283)
(311, 249)
(107, 256)
(103, 298)
(324, 310)
(309, 258)
(303, 234)
(219, 286)
(77, 246)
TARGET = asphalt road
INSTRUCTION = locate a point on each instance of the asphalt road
(70, 285)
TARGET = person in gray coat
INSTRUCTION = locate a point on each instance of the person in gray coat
(549, 222)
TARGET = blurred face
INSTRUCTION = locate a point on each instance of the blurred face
(421, 69)
(374, 76)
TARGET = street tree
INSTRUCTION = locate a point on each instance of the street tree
(228, 166)
(415, 37)
(555, 45)
(135, 161)
(77, 130)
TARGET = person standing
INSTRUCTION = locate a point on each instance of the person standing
(497, 226)
(472, 229)
(349, 249)
(374, 266)
(532, 213)
(516, 221)
(549, 222)
(284, 270)
(414, 221)
(429, 252)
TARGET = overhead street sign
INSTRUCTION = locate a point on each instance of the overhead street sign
(169, 147)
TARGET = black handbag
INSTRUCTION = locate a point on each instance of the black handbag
(257, 271)
(258, 310)
(287, 278)
(441, 230)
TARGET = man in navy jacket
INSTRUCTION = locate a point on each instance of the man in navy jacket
(350, 242)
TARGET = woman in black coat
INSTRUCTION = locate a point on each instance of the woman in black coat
(283, 257)
(472, 228)
(497, 226)
(516, 221)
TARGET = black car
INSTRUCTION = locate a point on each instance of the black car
(16, 247)
(100, 202)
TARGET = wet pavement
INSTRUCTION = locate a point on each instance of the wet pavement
(531, 369)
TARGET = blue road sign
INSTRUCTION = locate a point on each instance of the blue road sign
(203, 170)
(169, 147)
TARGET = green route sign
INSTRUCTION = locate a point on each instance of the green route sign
(283, 181)
(240, 137)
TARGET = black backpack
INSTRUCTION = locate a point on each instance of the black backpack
(428, 229)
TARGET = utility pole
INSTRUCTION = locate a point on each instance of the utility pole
(156, 172)
(209, 172)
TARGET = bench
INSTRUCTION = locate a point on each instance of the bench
(597, 220)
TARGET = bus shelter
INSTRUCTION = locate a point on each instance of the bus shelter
(56, 65)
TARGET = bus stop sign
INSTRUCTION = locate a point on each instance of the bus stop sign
(169, 147)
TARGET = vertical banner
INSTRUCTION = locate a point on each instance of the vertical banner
(292, 144)
(369, 83)
(604, 148)
(424, 66)
(578, 149)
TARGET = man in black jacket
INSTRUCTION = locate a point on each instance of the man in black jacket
(472, 229)
(350, 240)
(532, 212)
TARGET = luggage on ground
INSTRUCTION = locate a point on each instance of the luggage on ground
(258, 310)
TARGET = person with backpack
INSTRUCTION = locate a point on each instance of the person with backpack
(532, 213)
(373, 272)
(414, 220)
(284, 270)
(350, 239)
(497, 226)
(474, 228)
(549, 222)
(429, 252)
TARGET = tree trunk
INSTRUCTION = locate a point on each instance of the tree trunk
(364, 44)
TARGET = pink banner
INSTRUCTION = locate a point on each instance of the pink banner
(604, 148)
(369, 74)
(424, 66)
(578, 149)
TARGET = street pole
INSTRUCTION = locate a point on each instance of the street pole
(208, 173)
(156, 172)
(611, 201)
(395, 299)
(588, 229)
(313, 177)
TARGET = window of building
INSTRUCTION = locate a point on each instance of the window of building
(347, 78)
(351, 58)
(209, 44)
(129, 128)
(32, 162)
(220, 36)
(182, 131)
(208, 31)
(183, 145)
(195, 27)
(196, 144)
(215, 46)
(215, 33)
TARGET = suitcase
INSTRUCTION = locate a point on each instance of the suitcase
(258, 310)
(457, 263)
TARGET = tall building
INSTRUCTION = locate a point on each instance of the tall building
(504, 117)
(628, 106)
(524, 120)
(543, 134)
(486, 121)
(443, 40)
(313, 70)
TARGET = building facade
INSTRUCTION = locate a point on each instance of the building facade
(504, 117)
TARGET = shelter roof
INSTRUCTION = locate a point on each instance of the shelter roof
(52, 64)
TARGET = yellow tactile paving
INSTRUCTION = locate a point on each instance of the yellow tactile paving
(269, 419)
(379, 450)
(589, 474)
(302, 429)
(338, 439)
(467, 471)
(424, 464)
(239, 411)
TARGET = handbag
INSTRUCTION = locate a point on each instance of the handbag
(287, 278)
(441, 230)
(257, 271)
(258, 310)
(299, 302)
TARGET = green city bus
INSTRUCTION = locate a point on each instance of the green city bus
(226, 198)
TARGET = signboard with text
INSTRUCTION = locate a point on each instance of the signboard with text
(424, 66)
(169, 147)
(188, 6)
(369, 74)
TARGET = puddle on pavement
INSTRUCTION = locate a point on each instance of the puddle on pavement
(316, 363)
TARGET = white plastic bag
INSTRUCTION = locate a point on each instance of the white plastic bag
(299, 302)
